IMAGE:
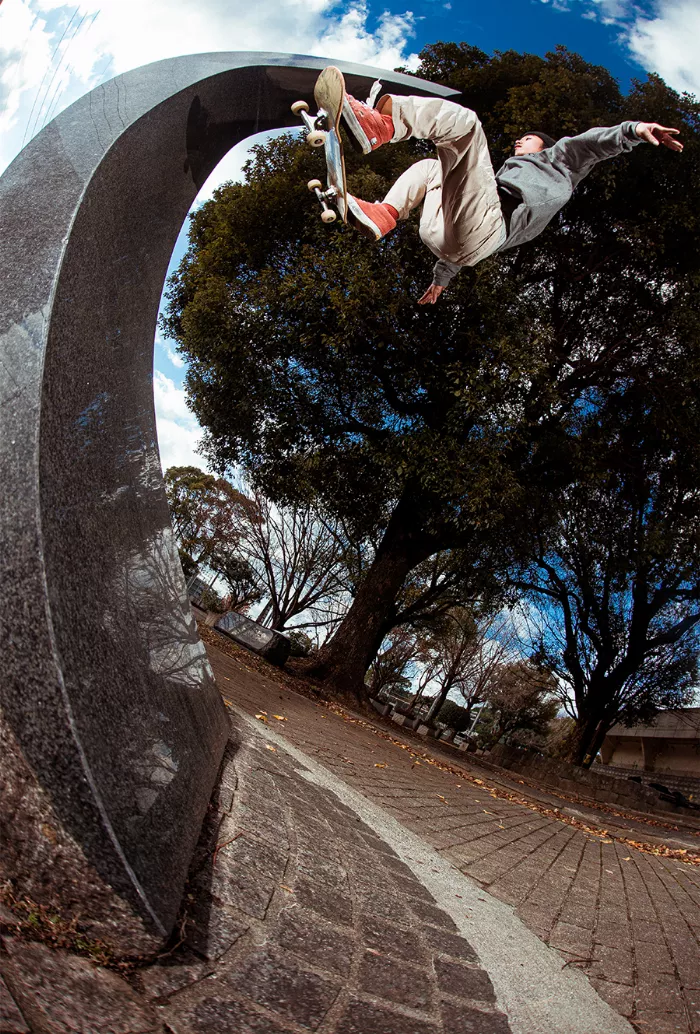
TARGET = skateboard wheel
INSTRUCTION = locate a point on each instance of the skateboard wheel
(316, 139)
(328, 216)
(299, 106)
(314, 184)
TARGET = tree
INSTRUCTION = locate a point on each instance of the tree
(615, 579)
(449, 656)
(454, 716)
(520, 697)
(461, 652)
(206, 513)
(391, 669)
(297, 557)
(240, 577)
(430, 429)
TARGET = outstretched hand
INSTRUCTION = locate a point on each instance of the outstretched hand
(431, 295)
(655, 134)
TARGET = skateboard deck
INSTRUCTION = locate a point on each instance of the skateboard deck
(324, 129)
(329, 93)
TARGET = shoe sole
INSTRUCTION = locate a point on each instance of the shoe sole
(361, 221)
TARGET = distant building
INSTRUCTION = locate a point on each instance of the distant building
(671, 744)
(196, 588)
(395, 695)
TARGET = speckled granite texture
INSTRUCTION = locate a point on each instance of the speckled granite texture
(112, 732)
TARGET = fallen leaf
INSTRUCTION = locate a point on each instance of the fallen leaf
(268, 747)
(380, 764)
(479, 782)
(279, 717)
(262, 717)
(285, 887)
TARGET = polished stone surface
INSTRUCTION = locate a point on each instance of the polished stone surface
(112, 730)
(274, 647)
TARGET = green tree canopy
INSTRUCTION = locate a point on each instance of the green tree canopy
(521, 697)
(433, 428)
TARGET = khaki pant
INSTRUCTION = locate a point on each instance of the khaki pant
(461, 220)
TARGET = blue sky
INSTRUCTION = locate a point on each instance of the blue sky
(51, 52)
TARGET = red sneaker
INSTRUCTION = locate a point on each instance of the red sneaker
(367, 126)
(373, 220)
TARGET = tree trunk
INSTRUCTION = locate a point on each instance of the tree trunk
(344, 660)
(437, 705)
(414, 700)
(581, 738)
(593, 721)
(596, 742)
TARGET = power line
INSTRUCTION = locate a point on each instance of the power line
(56, 71)
(47, 72)
(55, 99)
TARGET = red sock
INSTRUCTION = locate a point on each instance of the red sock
(391, 208)
(388, 122)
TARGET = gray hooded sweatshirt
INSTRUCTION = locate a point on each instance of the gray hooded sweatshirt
(534, 187)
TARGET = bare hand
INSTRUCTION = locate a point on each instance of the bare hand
(431, 295)
(655, 134)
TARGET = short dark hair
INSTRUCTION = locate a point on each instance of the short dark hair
(546, 139)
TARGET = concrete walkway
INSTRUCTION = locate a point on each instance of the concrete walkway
(345, 885)
(628, 919)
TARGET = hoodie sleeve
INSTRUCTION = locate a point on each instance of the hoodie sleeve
(580, 153)
(443, 271)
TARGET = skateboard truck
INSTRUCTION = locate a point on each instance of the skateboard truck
(316, 127)
(323, 130)
(315, 186)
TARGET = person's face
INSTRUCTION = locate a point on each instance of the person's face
(529, 144)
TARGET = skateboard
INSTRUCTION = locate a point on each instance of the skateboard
(324, 131)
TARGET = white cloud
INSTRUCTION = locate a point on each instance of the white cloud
(665, 42)
(179, 433)
(668, 44)
(52, 52)
(175, 359)
(25, 54)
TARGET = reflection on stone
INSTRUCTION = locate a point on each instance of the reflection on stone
(111, 726)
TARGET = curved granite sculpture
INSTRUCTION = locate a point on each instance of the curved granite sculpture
(111, 729)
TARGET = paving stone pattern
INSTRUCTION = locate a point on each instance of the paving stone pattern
(628, 919)
(297, 918)
(306, 921)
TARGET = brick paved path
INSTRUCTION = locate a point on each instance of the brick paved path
(298, 918)
(629, 919)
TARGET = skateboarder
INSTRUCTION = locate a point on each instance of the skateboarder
(470, 212)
